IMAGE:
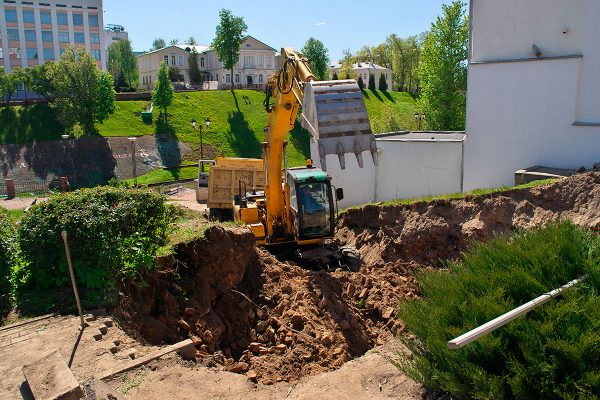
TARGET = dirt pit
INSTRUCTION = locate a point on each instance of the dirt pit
(275, 321)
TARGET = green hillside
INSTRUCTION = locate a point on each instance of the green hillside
(232, 132)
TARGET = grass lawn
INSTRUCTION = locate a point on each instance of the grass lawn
(166, 175)
(390, 111)
(19, 125)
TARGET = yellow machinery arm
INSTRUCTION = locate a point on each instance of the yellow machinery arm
(287, 89)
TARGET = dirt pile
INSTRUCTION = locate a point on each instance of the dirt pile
(429, 233)
(273, 320)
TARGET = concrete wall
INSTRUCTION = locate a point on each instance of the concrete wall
(527, 111)
(410, 165)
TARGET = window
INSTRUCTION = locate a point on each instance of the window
(45, 17)
(202, 61)
(143, 80)
(173, 60)
(248, 45)
(180, 61)
(61, 52)
(32, 54)
(63, 37)
(261, 60)
(237, 78)
(61, 18)
(28, 17)
(166, 58)
(14, 53)
(248, 61)
(93, 19)
(269, 61)
(10, 15)
(1, 53)
(96, 54)
(13, 34)
(30, 35)
(94, 37)
(260, 78)
(79, 37)
(48, 54)
(78, 19)
(47, 37)
(227, 78)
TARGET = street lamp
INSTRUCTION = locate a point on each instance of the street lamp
(419, 117)
(133, 163)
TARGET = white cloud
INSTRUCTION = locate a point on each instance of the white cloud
(321, 23)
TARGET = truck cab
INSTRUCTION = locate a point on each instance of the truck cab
(311, 203)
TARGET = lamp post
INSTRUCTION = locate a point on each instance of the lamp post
(207, 123)
(419, 117)
(133, 163)
(64, 180)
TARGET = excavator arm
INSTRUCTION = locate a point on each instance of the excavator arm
(334, 112)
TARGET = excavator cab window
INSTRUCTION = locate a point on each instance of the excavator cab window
(314, 205)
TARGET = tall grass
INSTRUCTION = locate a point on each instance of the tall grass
(552, 352)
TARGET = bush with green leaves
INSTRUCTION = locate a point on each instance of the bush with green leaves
(550, 353)
(8, 255)
(112, 232)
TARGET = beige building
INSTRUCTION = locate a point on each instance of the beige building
(33, 32)
(365, 70)
(256, 64)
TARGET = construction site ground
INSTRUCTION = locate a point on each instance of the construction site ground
(266, 328)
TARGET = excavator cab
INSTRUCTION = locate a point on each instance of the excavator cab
(311, 204)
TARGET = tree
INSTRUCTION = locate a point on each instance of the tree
(162, 96)
(191, 41)
(84, 94)
(158, 44)
(443, 70)
(383, 86)
(347, 70)
(228, 39)
(122, 64)
(175, 74)
(173, 42)
(361, 83)
(9, 83)
(193, 68)
(334, 76)
(317, 56)
(36, 80)
(372, 85)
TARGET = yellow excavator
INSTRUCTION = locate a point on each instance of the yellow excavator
(298, 205)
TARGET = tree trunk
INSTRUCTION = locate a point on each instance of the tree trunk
(231, 79)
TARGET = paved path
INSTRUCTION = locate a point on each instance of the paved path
(186, 197)
(20, 203)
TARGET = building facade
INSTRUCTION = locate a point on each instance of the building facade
(33, 32)
(534, 88)
(112, 33)
(365, 70)
(256, 64)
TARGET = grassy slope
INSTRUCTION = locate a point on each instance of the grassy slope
(381, 105)
(20, 125)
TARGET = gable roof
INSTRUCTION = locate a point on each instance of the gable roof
(263, 43)
(199, 48)
(359, 65)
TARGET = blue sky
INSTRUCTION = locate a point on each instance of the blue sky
(338, 24)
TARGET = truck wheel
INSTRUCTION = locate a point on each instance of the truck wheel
(351, 257)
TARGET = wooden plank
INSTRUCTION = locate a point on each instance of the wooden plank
(185, 348)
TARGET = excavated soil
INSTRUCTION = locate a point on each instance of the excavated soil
(274, 321)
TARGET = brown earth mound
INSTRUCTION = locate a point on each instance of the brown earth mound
(274, 321)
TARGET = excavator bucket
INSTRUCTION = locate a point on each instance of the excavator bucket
(335, 114)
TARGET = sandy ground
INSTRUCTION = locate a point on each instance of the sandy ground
(20, 203)
(371, 376)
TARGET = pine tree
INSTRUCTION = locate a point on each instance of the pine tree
(334, 77)
(361, 83)
(382, 83)
(372, 83)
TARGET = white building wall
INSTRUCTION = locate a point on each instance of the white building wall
(527, 111)
(409, 166)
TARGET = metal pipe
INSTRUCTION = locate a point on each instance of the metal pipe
(505, 318)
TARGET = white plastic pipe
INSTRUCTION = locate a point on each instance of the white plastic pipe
(504, 319)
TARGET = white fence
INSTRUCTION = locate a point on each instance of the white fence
(411, 164)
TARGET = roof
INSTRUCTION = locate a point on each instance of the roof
(161, 49)
(261, 42)
(359, 65)
(199, 48)
(306, 174)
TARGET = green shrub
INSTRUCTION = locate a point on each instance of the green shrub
(111, 231)
(372, 85)
(552, 352)
(8, 255)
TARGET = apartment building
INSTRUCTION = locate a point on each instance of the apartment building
(33, 32)
(256, 64)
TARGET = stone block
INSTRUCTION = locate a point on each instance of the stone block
(50, 378)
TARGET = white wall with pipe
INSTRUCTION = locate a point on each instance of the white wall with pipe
(411, 164)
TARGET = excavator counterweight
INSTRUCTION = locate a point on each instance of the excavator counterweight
(334, 112)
